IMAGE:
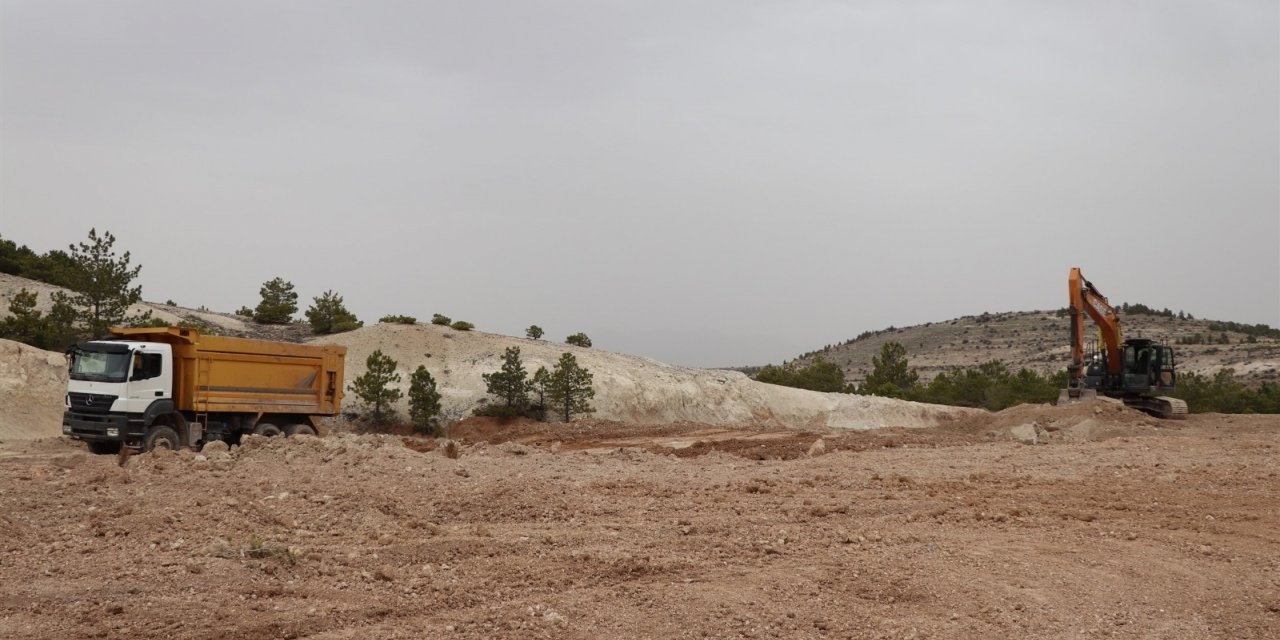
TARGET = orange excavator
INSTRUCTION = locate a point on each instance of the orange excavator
(1135, 371)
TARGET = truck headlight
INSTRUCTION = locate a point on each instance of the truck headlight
(113, 432)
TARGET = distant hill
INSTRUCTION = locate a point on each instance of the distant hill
(1038, 340)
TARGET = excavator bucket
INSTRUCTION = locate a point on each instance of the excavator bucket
(1076, 395)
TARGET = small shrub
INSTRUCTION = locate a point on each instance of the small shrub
(462, 325)
(398, 320)
(151, 323)
(499, 411)
(328, 314)
(578, 340)
(439, 319)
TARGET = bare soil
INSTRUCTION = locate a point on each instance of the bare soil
(1126, 527)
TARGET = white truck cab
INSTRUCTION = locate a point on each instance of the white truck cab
(114, 385)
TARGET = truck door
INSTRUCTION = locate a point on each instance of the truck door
(150, 376)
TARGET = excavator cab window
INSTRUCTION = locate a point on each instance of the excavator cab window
(1144, 361)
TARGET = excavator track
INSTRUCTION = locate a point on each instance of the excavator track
(1162, 407)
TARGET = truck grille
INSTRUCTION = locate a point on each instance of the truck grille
(91, 402)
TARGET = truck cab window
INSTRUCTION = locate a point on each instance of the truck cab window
(145, 366)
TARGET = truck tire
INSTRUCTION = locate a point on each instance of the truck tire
(104, 447)
(299, 430)
(161, 437)
(267, 429)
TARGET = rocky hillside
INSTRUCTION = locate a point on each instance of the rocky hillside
(1038, 340)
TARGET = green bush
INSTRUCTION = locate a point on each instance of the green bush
(328, 314)
(500, 411)
(151, 323)
(440, 319)
(578, 340)
(1224, 393)
(398, 320)
(819, 376)
(462, 325)
(989, 386)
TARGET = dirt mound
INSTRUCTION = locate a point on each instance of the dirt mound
(1080, 422)
(33, 383)
(628, 388)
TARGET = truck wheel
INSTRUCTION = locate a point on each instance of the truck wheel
(161, 438)
(104, 447)
(267, 429)
(299, 430)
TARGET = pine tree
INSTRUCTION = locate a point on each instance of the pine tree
(328, 314)
(25, 323)
(534, 332)
(279, 302)
(100, 281)
(424, 400)
(579, 340)
(511, 383)
(890, 374)
(569, 387)
(541, 378)
(373, 387)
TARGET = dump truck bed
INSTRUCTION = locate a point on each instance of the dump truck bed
(221, 374)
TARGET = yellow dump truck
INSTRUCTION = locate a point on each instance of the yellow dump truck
(173, 387)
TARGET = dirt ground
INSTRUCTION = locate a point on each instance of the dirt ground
(1118, 526)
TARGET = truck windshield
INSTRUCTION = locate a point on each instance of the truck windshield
(99, 367)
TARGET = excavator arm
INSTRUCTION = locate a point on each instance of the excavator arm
(1086, 299)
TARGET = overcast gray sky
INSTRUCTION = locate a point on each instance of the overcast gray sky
(705, 183)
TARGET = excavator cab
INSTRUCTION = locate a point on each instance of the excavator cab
(1146, 372)
(1148, 367)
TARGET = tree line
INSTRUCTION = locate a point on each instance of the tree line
(565, 390)
(993, 386)
(101, 290)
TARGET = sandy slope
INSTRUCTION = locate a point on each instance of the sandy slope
(628, 388)
(33, 383)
